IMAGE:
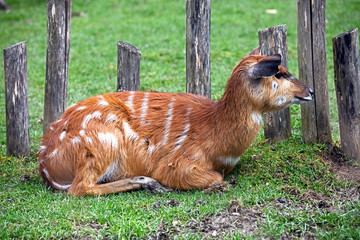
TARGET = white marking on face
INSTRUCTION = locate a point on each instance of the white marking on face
(256, 117)
(109, 139)
(62, 135)
(129, 102)
(75, 140)
(129, 132)
(82, 132)
(169, 116)
(275, 86)
(103, 103)
(280, 101)
(57, 185)
(111, 118)
(87, 118)
(109, 174)
(53, 154)
(144, 108)
(80, 108)
(230, 161)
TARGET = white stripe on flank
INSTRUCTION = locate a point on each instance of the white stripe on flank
(57, 185)
(88, 140)
(169, 116)
(151, 149)
(129, 102)
(109, 139)
(185, 131)
(80, 108)
(129, 132)
(144, 108)
(111, 118)
(88, 117)
(62, 135)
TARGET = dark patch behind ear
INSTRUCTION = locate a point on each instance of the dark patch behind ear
(267, 67)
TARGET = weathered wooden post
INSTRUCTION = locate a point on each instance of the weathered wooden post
(57, 59)
(128, 71)
(315, 115)
(198, 47)
(347, 82)
(16, 95)
(273, 40)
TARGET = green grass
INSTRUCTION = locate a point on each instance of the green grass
(157, 27)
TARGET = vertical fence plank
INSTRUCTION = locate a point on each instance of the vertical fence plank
(347, 82)
(57, 59)
(16, 95)
(198, 47)
(128, 71)
(273, 40)
(315, 116)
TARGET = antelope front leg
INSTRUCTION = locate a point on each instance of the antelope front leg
(128, 184)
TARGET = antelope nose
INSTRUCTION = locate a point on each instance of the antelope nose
(311, 92)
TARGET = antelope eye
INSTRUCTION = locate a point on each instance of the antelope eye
(279, 75)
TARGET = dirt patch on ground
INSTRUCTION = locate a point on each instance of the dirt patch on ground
(340, 165)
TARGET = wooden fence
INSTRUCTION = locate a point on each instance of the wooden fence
(312, 69)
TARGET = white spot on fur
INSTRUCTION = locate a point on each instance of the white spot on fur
(111, 118)
(65, 122)
(88, 140)
(275, 86)
(62, 135)
(169, 116)
(129, 132)
(109, 139)
(144, 108)
(256, 117)
(230, 161)
(80, 108)
(280, 101)
(87, 118)
(75, 140)
(42, 148)
(129, 102)
(51, 128)
(53, 154)
(56, 185)
(82, 132)
(103, 103)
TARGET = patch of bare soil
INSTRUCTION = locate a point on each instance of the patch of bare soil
(340, 165)
(235, 218)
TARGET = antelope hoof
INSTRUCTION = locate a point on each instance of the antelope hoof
(151, 185)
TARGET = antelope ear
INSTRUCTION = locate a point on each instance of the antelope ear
(267, 67)
(256, 51)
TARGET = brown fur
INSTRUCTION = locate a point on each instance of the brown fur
(184, 141)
